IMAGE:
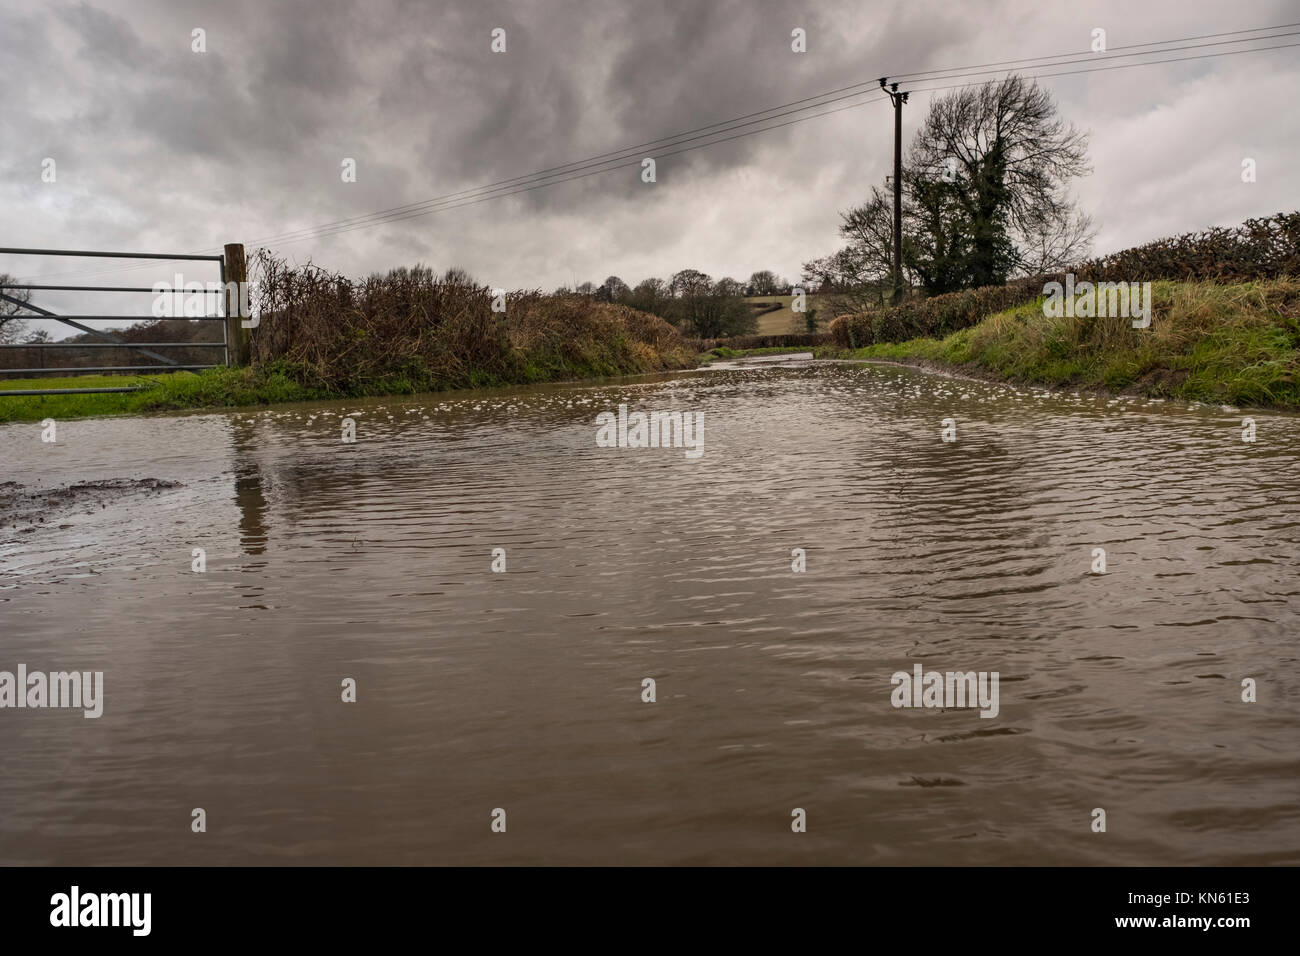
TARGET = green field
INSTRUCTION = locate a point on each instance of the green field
(784, 320)
(211, 388)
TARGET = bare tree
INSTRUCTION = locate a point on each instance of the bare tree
(613, 289)
(12, 326)
(704, 310)
(459, 276)
(857, 276)
(728, 286)
(764, 282)
(1009, 160)
(651, 295)
(1055, 247)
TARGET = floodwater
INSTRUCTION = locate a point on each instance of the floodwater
(522, 691)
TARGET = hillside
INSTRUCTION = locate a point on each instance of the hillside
(784, 320)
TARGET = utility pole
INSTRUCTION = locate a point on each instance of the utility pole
(891, 90)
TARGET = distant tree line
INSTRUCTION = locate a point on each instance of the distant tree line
(147, 330)
(15, 331)
(695, 303)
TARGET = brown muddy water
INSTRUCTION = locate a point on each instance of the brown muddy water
(522, 690)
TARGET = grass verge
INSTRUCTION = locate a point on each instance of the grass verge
(277, 382)
(210, 388)
(1233, 344)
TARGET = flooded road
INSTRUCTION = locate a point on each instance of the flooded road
(522, 690)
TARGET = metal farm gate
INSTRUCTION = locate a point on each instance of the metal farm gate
(234, 337)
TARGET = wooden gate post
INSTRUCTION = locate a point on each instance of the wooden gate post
(236, 279)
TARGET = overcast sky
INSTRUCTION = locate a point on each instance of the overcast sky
(160, 148)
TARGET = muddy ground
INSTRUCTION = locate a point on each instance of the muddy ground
(24, 509)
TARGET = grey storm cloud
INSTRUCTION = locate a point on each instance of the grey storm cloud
(160, 148)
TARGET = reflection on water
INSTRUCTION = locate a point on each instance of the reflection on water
(522, 690)
(248, 487)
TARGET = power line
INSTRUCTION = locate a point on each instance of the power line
(561, 173)
(1131, 46)
(382, 216)
(626, 153)
(1092, 58)
(452, 200)
(1120, 66)
(523, 187)
(675, 139)
(441, 204)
